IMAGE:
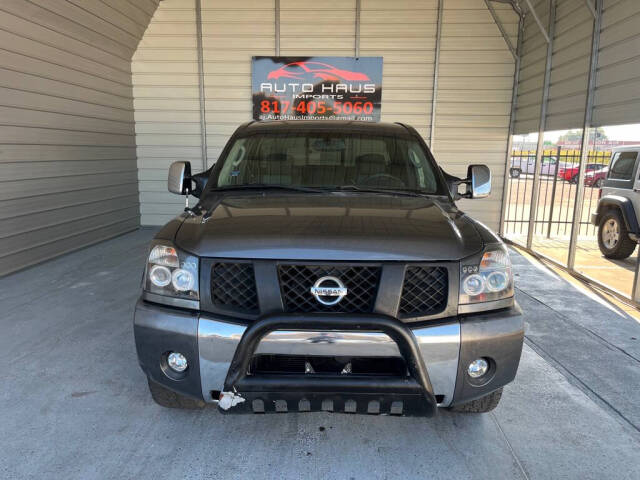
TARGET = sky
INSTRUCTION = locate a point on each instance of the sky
(623, 132)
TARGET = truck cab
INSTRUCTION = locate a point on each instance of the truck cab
(327, 267)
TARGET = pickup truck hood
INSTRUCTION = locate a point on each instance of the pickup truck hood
(340, 226)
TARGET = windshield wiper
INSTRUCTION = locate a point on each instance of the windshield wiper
(356, 188)
(267, 186)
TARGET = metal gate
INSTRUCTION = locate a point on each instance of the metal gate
(557, 192)
(558, 233)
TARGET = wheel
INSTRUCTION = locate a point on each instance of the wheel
(574, 179)
(598, 183)
(613, 236)
(515, 172)
(480, 405)
(170, 399)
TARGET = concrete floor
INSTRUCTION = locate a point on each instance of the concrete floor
(75, 403)
(615, 274)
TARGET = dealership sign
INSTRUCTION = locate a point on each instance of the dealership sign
(317, 88)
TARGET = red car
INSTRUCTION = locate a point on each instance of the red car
(320, 70)
(596, 178)
(570, 173)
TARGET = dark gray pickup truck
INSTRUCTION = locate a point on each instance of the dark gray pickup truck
(326, 267)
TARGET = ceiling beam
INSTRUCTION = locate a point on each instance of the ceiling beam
(500, 26)
(537, 19)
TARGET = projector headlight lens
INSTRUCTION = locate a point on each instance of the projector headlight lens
(473, 284)
(488, 278)
(182, 280)
(160, 276)
(497, 281)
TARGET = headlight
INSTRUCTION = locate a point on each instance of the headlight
(171, 273)
(486, 279)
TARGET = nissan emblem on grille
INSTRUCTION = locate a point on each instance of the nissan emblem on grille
(328, 287)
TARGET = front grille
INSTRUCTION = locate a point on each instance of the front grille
(296, 282)
(322, 365)
(424, 292)
(233, 287)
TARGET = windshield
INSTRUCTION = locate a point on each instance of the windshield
(328, 160)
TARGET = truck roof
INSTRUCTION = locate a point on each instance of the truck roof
(278, 126)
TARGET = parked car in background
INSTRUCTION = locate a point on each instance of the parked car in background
(596, 178)
(570, 172)
(619, 205)
(520, 165)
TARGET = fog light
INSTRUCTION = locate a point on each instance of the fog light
(177, 362)
(478, 368)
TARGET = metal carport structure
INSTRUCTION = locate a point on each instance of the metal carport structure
(99, 96)
(577, 68)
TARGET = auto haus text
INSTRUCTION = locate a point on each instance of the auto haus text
(309, 90)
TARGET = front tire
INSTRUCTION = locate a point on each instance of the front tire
(170, 399)
(514, 172)
(598, 183)
(480, 405)
(613, 236)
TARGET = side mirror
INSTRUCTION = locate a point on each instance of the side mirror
(179, 178)
(200, 182)
(479, 181)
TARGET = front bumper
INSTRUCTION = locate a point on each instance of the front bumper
(444, 348)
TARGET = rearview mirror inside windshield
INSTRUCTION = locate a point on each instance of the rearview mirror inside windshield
(329, 144)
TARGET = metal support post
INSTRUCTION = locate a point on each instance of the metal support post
(203, 118)
(436, 65)
(357, 39)
(553, 192)
(535, 190)
(277, 27)
(586, 131)
(635, 293)
(512, 122)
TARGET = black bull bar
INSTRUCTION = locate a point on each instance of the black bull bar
(269, 393)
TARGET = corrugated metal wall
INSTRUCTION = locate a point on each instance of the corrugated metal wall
(474, 97)
(617, 94)
(231, 33)
(404, 34)
(67, 103)
(570, 68)
(472, 104)
(532, 66)
(167, 106)
(67, 143)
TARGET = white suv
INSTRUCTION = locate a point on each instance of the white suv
(616, 216)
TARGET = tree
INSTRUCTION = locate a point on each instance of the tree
(572, 136)
(575, 136)
(600, 135)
